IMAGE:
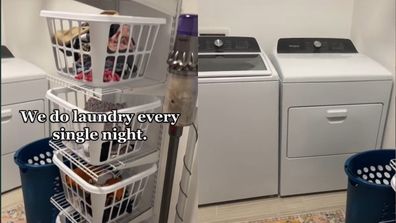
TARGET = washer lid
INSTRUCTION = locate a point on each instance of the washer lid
(232, 65)
(15, 69)
(329, 67)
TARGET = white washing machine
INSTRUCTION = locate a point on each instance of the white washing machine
(238, 120)
(23, 87)
(334, 103)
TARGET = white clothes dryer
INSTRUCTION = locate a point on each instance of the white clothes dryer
(334, 103)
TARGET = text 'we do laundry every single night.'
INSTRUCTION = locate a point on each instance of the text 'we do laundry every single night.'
(123, 133)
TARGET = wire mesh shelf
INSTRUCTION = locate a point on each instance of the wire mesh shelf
(97, 172)
(89, 91)
(60, 202)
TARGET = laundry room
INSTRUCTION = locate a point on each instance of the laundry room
(296, 111)
(198, 111)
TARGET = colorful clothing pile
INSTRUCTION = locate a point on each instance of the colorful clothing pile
(83, 66)
(120, 41)
(85, 72)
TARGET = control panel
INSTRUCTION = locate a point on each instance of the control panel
(209, 44)
(315, 45)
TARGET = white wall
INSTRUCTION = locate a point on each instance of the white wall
(190, 6)
(373, 32)
(267, 20)
(27, 33)
(3, 41)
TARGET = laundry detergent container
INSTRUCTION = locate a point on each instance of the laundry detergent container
(40, 180)
(370, 196)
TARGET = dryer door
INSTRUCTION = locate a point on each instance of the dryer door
(332, 130)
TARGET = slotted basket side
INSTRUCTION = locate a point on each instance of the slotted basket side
(102, 59)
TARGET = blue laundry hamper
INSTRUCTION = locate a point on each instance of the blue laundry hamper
(370, 198)
(40, 180)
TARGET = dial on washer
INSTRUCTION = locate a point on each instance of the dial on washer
(218, 43)
(317, 44)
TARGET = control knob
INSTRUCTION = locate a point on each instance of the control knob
(317, 44)
(218, 43)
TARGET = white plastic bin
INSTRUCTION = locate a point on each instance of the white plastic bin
(99, 152)
(104, 203)
(101, 50)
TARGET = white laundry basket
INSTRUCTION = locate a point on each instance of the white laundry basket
(99, 152)
(104, 203)
(101, 50)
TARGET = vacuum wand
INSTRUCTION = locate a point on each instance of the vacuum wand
(181, 97)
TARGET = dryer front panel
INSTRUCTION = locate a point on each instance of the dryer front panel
(332, 130)
(322, 125)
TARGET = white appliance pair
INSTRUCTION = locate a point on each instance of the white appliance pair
(333, 103)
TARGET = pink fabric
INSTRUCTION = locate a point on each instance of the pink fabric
(113, 41)
(107, 76)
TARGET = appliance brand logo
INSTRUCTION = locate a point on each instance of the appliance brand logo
(294, 46)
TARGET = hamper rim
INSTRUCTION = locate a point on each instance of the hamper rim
(101, 18)
(22, 164)
(101, 189)
(156, 102)
(355, 177)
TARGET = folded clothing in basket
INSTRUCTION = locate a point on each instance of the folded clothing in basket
(68, 36)
(84, 71)
(106, 181)
(95, 105)
(120, 40)
(121, 33)
(115, 149)
(109, 149)
(118, 198)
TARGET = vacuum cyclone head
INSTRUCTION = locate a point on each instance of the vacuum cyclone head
(182, 86)
(184, 56)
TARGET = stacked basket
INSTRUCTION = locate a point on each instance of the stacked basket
(102, 51)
